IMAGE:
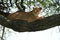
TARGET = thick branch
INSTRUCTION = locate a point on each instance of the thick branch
(23, 26)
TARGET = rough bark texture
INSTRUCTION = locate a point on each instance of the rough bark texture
(38, 25)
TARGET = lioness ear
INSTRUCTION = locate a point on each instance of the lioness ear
(33, 8)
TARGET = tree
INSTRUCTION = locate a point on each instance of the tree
(50, 7)
(22, 25)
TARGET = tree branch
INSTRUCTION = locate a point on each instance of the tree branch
(20, 6)
(3, 31)
(38, 25)
(11, 3)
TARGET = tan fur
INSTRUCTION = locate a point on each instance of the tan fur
(28, 16)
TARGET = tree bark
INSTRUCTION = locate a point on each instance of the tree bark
(38, 25)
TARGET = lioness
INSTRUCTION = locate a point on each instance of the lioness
(28, 16)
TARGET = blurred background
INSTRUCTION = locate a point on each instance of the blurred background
(49, 7)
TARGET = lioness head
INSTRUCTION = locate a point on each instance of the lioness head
(36, 11)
